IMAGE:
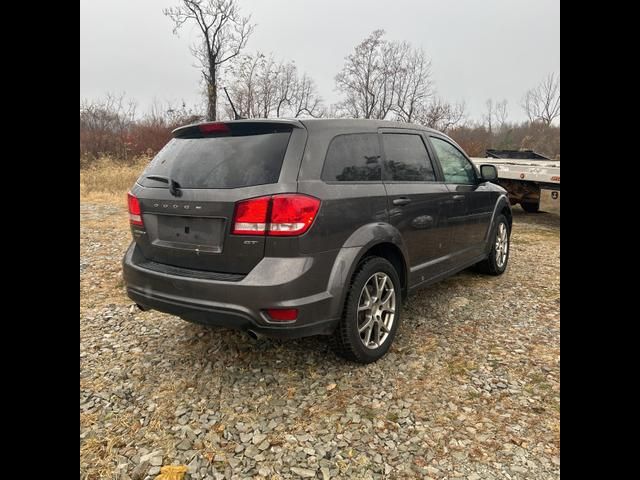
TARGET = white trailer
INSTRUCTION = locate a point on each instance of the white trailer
(524, 179)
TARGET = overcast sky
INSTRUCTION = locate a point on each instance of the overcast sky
(479, 48)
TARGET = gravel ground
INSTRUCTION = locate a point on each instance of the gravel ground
(470, 389)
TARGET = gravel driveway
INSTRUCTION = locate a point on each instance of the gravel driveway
(470, 389)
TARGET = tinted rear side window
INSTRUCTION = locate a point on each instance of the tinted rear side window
(406, 158)
(220, 162)
(353, 158)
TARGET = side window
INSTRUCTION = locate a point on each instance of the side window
(353, 158)
(455, 167)
(406, 158)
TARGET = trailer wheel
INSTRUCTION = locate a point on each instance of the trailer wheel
(531, 207)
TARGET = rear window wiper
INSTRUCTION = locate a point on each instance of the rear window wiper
(174, 187)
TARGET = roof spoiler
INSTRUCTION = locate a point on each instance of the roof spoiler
(235, 128)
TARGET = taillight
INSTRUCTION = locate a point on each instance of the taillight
(292, 214)
(135, 214)
(281, 215)
(251, 216)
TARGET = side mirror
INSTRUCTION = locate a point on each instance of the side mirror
(489, 173)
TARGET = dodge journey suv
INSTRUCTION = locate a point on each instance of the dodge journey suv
(289, 228)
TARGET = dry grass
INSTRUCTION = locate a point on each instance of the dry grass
(107, 181)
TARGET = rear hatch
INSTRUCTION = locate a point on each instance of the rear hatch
(188, 193)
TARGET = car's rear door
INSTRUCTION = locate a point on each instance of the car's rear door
(415, 197)
(470, 201)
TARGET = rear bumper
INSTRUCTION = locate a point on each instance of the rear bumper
(274, 283)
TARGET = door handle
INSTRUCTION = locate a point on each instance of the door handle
(401, 201)
(458, 197)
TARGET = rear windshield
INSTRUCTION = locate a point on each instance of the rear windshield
(220, 162)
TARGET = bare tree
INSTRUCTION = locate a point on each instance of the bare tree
(264, 88)
(224, 33)
(414, 85)
(442, 115)
(500, 114)
(286, 87)
(495, 115)
(487, 117)
(267, 86)
(243, 79)
(382, 79)
(306, 101)
(168, 114)
(363, 79)
(105, 125)
(542, 103)
(254, 85)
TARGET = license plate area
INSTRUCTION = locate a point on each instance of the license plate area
(190, 233)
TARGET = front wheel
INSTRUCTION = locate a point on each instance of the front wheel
(496, 262)
(372, 312)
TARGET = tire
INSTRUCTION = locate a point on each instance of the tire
(347, 341)
(496, 264)
(530, 207)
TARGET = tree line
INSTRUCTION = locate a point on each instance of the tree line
(380, 79)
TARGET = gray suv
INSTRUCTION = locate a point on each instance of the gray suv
(290, 228)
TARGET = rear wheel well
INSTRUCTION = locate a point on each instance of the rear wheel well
(394, 255)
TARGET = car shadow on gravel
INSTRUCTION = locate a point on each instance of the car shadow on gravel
(233, 347)
(264, 352)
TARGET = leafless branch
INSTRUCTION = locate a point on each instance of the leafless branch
(262, 87)
(542, 103)
(224, 34)
(500, 114)
(383, 79)
(441, 115)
